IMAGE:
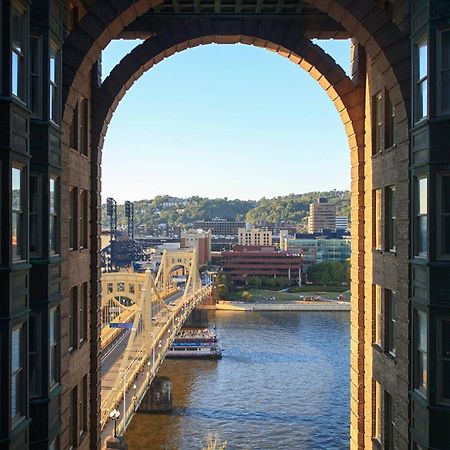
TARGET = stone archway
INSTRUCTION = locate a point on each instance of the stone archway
(388, 51)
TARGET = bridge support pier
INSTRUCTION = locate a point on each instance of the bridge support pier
(158, 398)
(117, 443)
(197, 319)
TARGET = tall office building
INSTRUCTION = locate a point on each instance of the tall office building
(322, 216)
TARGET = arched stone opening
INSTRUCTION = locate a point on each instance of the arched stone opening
(374, 33)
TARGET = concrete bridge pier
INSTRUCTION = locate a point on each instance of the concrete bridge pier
(197, 319)
(117, 443)
(158, 397)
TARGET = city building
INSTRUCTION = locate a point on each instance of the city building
(246, 261)
(54, 114)
(163, 230)
(317, 250)
(341, 223)
(254, 236)
(220, 227)
(201, 241)
(322, 216)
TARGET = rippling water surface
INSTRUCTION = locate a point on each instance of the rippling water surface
(283, 383)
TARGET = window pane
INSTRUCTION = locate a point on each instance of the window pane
(15, 69)
(446, 339)
(423, 228)
(423, 110)
(34, 346)
(445, 196)
(446, 379)
(15, 350)
(52, 196)
(446, 49)
(16, 192)
(423, 60)
(423, 199)
(445, 90)
(52, 66)
(422, 330)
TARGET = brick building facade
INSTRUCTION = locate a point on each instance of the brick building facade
(246, 261)
(54, 114)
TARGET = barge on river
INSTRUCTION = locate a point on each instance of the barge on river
(195, 344)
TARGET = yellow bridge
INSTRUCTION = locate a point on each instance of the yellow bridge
(141, 315)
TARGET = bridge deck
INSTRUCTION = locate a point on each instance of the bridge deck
(149, 356)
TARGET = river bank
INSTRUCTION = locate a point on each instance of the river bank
(276, 306)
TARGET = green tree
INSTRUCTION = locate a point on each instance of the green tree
(330, 272)
(222, 285)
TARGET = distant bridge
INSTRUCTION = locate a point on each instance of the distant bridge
(141, 315)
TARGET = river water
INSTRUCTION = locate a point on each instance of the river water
(283, 383)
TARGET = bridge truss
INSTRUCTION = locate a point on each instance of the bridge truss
(140, 303)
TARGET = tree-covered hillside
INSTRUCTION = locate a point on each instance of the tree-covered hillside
(295, 207)
(292, 208)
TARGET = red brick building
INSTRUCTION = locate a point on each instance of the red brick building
(261, 261)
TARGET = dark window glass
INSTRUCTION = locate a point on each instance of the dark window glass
(74, 129)
(444, 232)
(18, 51)
(53, 230)
(53, 338)
(73, 323)
(53, 84)
(390, 321)
(35, 355)
(18, 221)
(421, 217)
(84, 127)
(35, 217)
(422, 81)
(35, 74)
(73, 215)
(377, 122)
(84, 312)
(84, 405)
(391, 218)
(83, 218)
(421, 352)
(18, 388)
(389, 422)
(389, 129)
(445, 71)
(377, 218)
(445, 360)
(74, 417)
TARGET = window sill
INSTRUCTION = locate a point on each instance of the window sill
(376, 346)
(19, 426)
(54, 390)
(391, 355)
(419, 396)
(20, 265)
(376, 444)
(19, 102)
(423, 260)
(54, 125)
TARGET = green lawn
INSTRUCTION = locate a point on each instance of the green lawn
(263, 294)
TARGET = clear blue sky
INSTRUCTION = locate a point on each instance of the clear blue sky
(224, 121)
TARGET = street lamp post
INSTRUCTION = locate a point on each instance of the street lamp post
(114, 415)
